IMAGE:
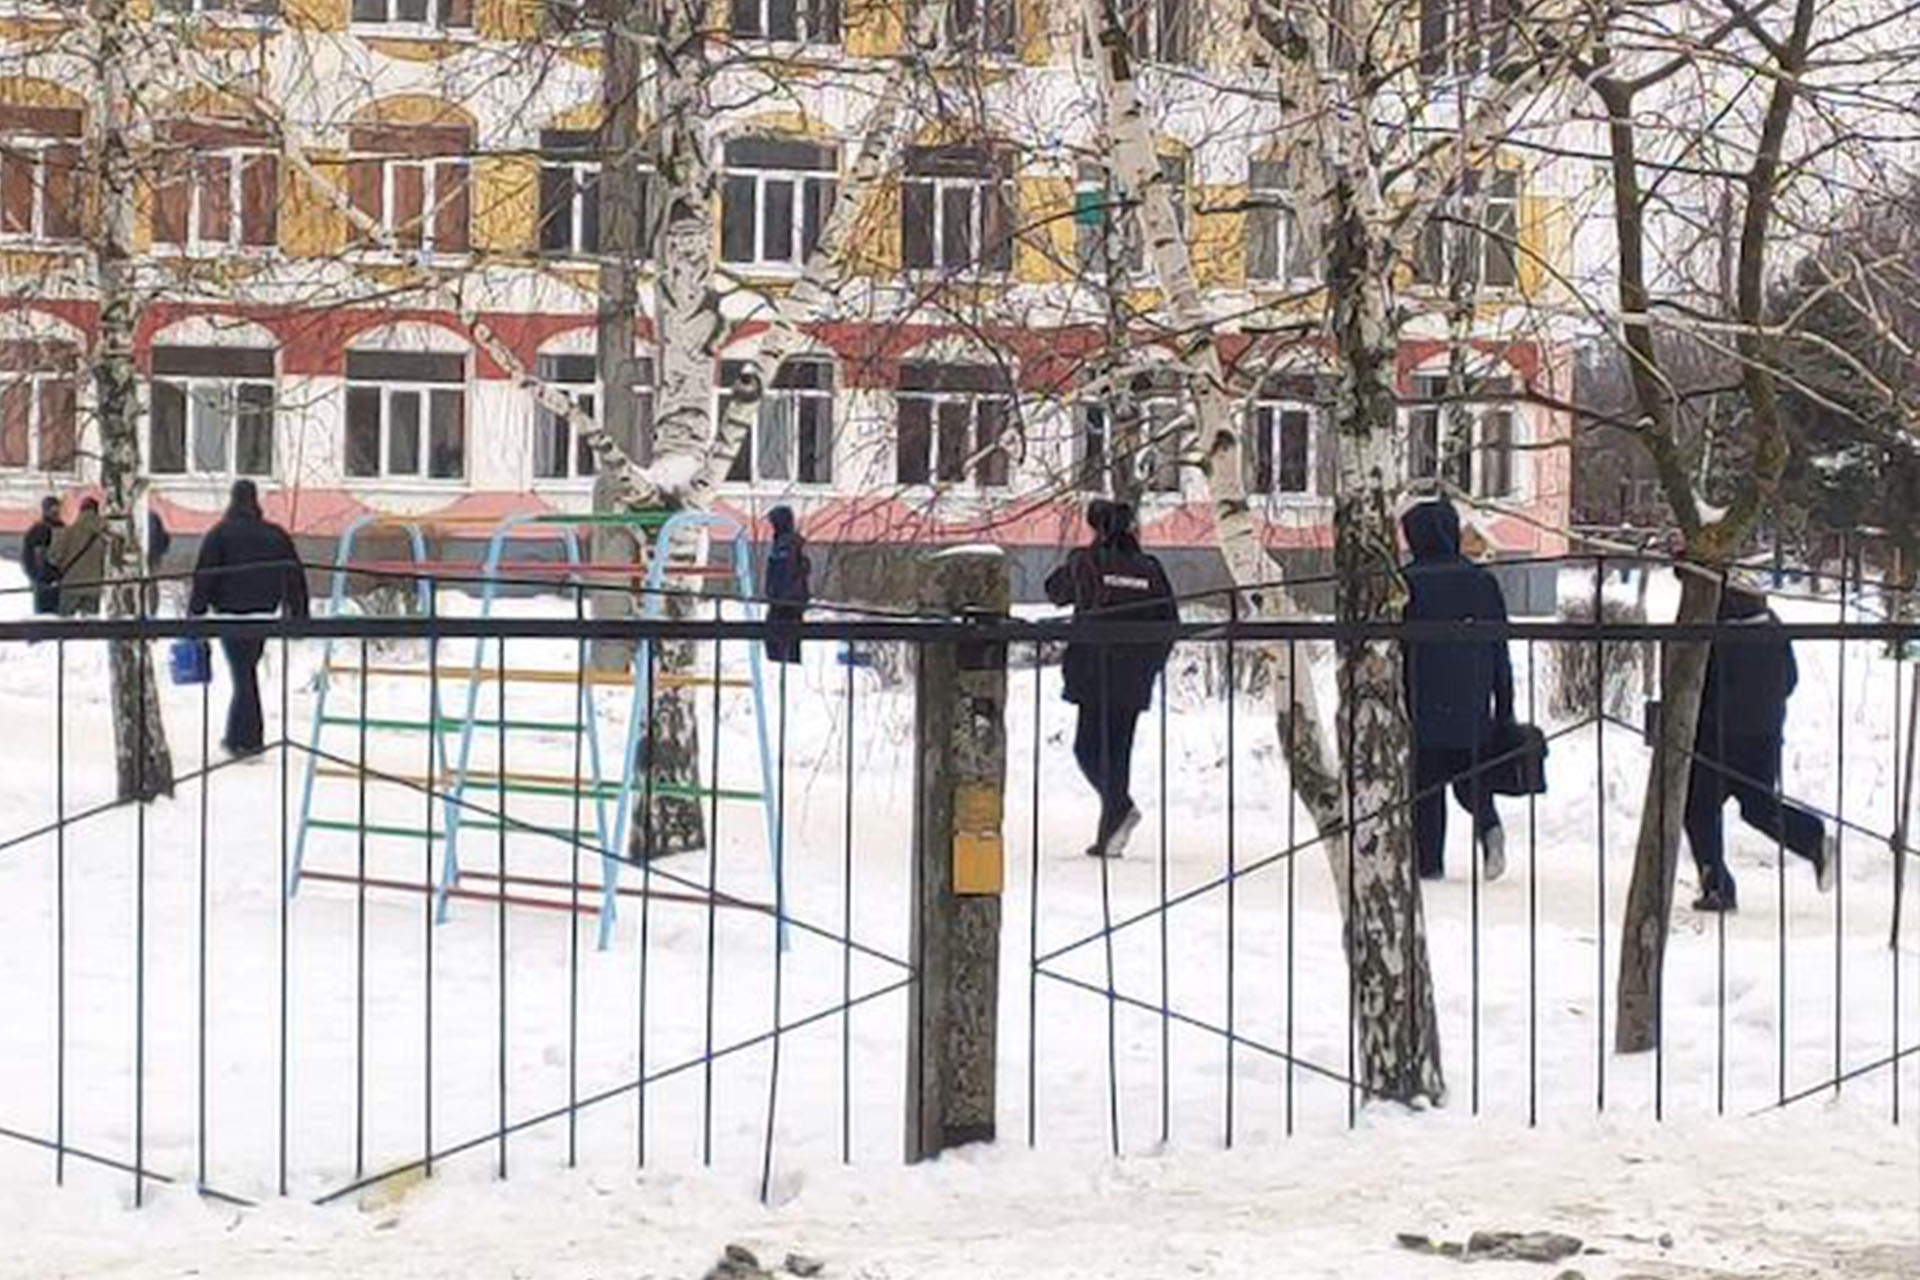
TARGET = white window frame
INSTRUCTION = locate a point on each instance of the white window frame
(429, 204)
(1160, 479)
(972, 400)
(38, 147)
(434, 24)
(235, 13)
(229, 390)
(802, 25)
(579, 174)
(1268, 420)
(235, 240)
(589, 395)
(35, 380)
(1091, 179)
(798, 181)
(1459, 230)
(390, 391)
(1150, 37)
(977, 190)
(772, 398)
(1285, 228)
(1428, 407)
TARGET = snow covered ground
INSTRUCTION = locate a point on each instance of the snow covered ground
(1827, 1187)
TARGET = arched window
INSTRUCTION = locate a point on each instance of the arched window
(212, 409)
(40, 168)
(406, 410)
(412, 180)
(218, 186)
(957, 209)
(39, 385)
(792, 437)
(775, 197)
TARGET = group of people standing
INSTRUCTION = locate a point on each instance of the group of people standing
(1459, 696)
(247, 566)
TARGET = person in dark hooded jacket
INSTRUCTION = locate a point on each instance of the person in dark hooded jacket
(247, 565)
(1736, 751)
(1459, 692)
(33, 557)
(1112, 684)
(789, 582)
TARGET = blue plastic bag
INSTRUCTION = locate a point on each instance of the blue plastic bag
(190, 661)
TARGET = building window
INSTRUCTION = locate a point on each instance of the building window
(1460, 37)
(954, 420)
(557, 453)
(412, 180)
(1107, 227)
(792, 438)
(40, 173)
(791, 21)
(212, 412)
(446, 14)
(1483, 463)
(775, 197)
(218, 187)
(1282, 447)
(1160, 30)
(1478, 235)
(957, 209)
(39, 419)
(571, 201)
(990, 26)
(1275, 251)
(406, 415)
(1155, 455)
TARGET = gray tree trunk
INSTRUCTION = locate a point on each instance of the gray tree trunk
(143, 766)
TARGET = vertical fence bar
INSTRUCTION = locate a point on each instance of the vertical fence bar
(1293, 858)
(431, 791)
(1033, 922)
(360, 935)
(713, 914)
(286, 902)
(573, 881)
(1903, 799)
(1345, 747)
(779, 782)
(200, 1055)
(1100, 835)
(1475, 852)
(647, 657)
(1233, 879)
(139, 925)
(1834, 850)
(846, 929)
(1166, 1021)
(1533, 917)
(60, 912)
(500, 894)
(1600, 831)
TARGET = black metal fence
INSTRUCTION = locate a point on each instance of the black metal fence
(173, 1016)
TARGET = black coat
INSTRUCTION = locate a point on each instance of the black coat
(248, 565)
(1457, 691)
(33, 548)
(1121, 582)
(1748, 682)
(789, 572)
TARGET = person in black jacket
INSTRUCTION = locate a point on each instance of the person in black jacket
(247, 565)
(1112, 683)
(789, 582)
(33, 557)
(1459, 692)
(1736, 751)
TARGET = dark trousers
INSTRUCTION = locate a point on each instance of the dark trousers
(784, 648)
(1751, 774)
(245, 728)
(1434, 769)
(46, 598)
(1103, 747)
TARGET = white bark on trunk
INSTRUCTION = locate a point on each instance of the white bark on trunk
(143, 764)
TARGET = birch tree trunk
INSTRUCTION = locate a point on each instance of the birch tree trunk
(143, 766)
(1392, 984)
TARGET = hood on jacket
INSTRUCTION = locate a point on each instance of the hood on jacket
(1738, 604)
(781, 518)
(243, 500)
(1432, 529)
(1112, 525)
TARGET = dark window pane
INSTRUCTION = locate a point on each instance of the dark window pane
(783, 20)
(741, 470)
(167, 432)
(210, 414)
(990, 423)
(410, 10)
(213, 362)
(1294, 426)
(913, 448)
(259, 200)
(775, 428)
(759, 151)
(955, 439)
(823, 21)
(253, 430)
(997, 224)
(1093, 447)
(447, 436)
(59, 424)
(406, 366)
(369, 10)
(589, 197)
(777, 228)
(556, 208)
(744, 17)
(956, 226)
(737, 218)
(816, 440)
(1263, 243)
(583, 462)
(1264, 425)
(403, 433)
(16, 415)
(363, 431)
(450, 207)
(916, 224)
(819, 196)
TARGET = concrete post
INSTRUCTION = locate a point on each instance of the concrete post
(960, 768)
